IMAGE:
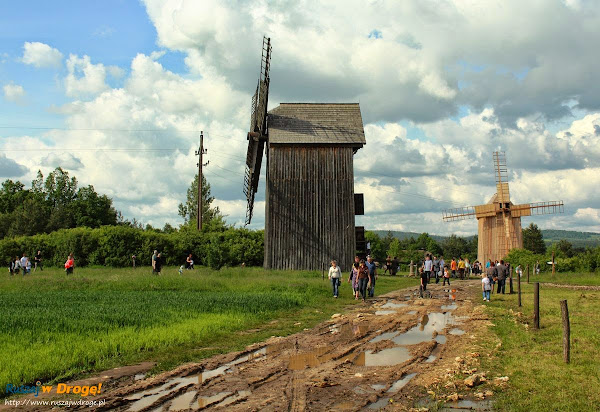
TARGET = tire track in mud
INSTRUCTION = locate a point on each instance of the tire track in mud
(390, 348)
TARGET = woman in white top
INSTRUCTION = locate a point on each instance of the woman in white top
(335, 275)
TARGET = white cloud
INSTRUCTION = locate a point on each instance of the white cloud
(41, 55)
(64, 160)
(14, 93)
(84, 78)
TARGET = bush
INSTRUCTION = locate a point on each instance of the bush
(114, 246)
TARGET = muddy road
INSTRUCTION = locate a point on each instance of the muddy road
(384, 354)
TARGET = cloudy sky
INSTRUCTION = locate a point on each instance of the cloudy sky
(117, 91)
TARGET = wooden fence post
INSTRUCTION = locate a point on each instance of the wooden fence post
(566, 331)
(553, 269)
(527, 273)
(519, 287)
(411, 273)
(536, 305)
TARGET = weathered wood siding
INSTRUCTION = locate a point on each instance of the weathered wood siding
(310, 207)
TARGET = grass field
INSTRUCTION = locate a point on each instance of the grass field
(587, 279)
(539, 379)
(54, 328)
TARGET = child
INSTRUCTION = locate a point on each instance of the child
(486, 287)
(181, 268)
(446, 276)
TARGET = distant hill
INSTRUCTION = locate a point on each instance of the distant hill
(578, 239)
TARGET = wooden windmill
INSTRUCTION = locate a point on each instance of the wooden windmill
(310, 200)
(500, 220)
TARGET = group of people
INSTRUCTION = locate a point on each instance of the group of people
(362, 278)
(24, 264)
(16, 264)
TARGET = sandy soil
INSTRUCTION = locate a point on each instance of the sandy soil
(395, 352)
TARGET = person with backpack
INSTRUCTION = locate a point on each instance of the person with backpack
(501, 277)
(492, 273)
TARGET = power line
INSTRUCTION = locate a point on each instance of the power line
(93, 129)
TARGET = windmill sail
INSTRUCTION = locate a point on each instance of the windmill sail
(258, 130)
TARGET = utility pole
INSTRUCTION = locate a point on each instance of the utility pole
(200, 152)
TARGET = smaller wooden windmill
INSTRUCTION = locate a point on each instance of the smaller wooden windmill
(500, 220)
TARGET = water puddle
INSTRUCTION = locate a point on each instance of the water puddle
(385, 312)
(183, 402)
(412, 312)
(456, 331)
(440, 339)
(139, 377)
(383, 336)
(386, 357)
(451, 306)
(379, 404)
(434, 322)
(205, 401)
(394, 305)
(378, 386)
(401, 383)
(146, 398)
(310, 359)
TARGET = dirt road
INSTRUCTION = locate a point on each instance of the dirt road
(384, 354)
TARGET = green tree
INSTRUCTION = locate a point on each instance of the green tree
(92, 210)
(564, 249)
(212, 219)
(455, 247)
(533, 239)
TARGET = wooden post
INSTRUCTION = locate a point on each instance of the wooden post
(566, 331)
(323, 269)
(411, 273)
(553, 270)
(527, 273)
(536, 305)
(519, 287)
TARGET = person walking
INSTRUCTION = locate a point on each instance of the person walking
(395, 266)
(70, 264)
(492, 274)
(38, 261)
(23, 262)
(353, 279)
(11, 267)
(154, 255)
(158, 264)
(424, 280)
(467, 268)
(189, 262)
(446, 277)
(372, 275)
(436, 268)
(363, 279)
(461, 268)
(501, 277)
(442, 266)
(16, 265)
(453, 267)
(428, 267)
(388, 265)
(486, 287)
(335, 275)
(537, 267)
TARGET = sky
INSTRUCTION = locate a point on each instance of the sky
(116, 92)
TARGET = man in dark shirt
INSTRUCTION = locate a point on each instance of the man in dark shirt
(501, 277)
(372, 275)
(394, 266)
(37, 260)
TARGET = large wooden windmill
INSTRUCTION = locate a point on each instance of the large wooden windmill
(500, 220)
(310, 200)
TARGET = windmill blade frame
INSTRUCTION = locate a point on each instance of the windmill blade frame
(258, 134)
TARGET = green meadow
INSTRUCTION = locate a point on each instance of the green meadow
(533, 359)
(54, 327)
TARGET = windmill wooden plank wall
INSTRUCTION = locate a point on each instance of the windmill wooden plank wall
(310, 185)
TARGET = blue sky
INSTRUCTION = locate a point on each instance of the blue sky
(441, 86)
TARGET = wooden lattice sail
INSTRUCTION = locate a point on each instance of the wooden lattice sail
(499, 220)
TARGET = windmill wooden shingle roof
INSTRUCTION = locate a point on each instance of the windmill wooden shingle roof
(316, 123)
